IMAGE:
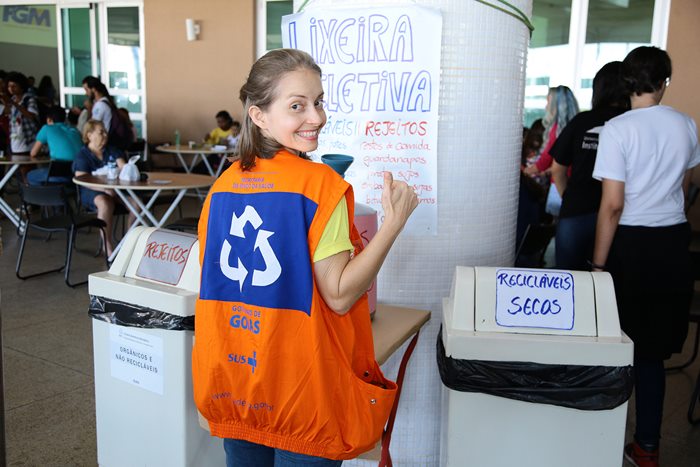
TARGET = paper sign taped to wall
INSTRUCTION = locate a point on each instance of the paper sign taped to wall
(381, 78)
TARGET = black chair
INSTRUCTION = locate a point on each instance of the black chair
(694, 313)
(693, 318)
(693, 192)
(64, 219)
(62, 169)
(534, 244)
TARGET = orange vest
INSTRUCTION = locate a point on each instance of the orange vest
(272, 363)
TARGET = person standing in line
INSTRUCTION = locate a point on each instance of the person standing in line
(645, 157)
(23, 113)
(561, 108)
(283, 362)
(574, 155)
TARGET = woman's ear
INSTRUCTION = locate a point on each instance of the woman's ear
(257, 116)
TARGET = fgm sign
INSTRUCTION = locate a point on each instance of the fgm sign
(381, 77)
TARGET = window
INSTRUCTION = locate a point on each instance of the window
(105, 40)
(573, 39)
(269, 23)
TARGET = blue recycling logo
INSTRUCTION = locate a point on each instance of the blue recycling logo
(257, 250)
(273, 269)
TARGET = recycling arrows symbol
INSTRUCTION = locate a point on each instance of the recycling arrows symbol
(273, 268)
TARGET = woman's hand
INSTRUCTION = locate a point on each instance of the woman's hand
(398, 200)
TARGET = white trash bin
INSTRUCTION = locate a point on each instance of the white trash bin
(533, 318)
(143, 358)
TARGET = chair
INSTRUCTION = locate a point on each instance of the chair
(693, 192)
(694, 316)
(68, 221)
(534, 244)
(63, 169)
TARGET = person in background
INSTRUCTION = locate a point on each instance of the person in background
(46, 97)
(63, 142)
(94, 155)
(99, 104)
(575, 151)
(561, 108)
(23, 114)
(31, 88)
(124, 113)
(232, 139)
(46, 92)
(223, 130)
(531, 194)
(328, 400)
(644, 162)
(84, 113)
(4, 118)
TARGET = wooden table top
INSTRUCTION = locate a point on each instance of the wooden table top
(392, 326)
(23, 160)
(198, 149)
(156, 181)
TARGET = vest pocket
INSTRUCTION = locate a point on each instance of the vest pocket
(367, 411)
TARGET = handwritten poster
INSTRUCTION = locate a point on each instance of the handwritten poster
(381, 77)
(136, 358)
(534, 299)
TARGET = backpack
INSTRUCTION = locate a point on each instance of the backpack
(120, 134)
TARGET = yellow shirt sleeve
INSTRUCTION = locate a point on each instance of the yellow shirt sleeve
(336, 235)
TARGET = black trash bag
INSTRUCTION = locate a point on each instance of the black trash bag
(573, 386)
(130, 315)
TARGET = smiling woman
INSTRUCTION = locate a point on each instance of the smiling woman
(293, 266)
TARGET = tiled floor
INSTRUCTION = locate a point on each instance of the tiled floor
(49, 393)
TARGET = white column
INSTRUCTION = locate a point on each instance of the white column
(484, 53)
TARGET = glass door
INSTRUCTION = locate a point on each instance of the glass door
(123, 62)
(78, 50)
(96, 39)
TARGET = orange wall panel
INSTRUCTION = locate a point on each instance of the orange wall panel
(683, 43)
(188, 82)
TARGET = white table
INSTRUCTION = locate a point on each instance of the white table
(13, 164)
(199, 152)
(157, 182)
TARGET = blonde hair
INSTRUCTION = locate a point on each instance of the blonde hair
(260, 90)
(90, 126)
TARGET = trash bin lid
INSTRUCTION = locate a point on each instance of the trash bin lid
(500, 314)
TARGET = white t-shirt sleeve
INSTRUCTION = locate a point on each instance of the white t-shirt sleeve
(695, 155)
(610, 160)
(102, 112)
(32, 106)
